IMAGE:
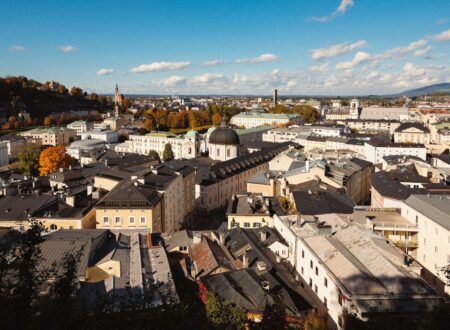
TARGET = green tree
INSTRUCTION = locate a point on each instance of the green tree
(223, 315)
(154, 154)
(28, 156)
(168, 152)
(274, 317)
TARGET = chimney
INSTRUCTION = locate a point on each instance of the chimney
(245, 260)
(222, 238)
(261, 266)
(307, 166)
(263, 236)
(197, 237)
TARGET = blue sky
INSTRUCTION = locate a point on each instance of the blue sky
(233, 47)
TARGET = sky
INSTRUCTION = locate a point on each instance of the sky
(300, 47)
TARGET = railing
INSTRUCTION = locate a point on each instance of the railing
(399, 226)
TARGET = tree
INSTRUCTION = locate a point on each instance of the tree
(154, 154)
(274, 316)
(168, 152)
(126, 103)
(28, 159)
(148, 124)
(308, 113)
(48, 121)
(76, 91)
(53, 158)
(216, 119)
(316, 322)
(223, 315)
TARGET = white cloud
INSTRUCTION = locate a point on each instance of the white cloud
(17, 48)
(173, 81)
(160, 66)
(343, 6)
(259, 59)
(68, 49)
(443, 36)
(359, 58)
(104, 72)
(424, 52)
(398, 52)
(337, 49)
(213, 62)
(207, 78)
(320, 68)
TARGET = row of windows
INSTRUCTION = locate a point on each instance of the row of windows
(118, 220)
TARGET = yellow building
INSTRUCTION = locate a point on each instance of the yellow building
(52, 136)
(17, 211)
(249, 211)
(130, 205)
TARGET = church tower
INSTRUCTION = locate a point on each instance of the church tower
(117, 101)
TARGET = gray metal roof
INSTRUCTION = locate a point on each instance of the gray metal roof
(435, 207)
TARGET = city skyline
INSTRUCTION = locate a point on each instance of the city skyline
(304, 47)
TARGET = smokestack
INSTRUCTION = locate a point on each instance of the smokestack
(275, 97)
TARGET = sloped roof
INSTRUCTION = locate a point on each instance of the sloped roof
(435, 207)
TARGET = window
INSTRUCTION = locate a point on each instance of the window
(317, 271)
(217, 152)
(325, 301)
(143, 220)
(302, 270)
(228, 153)
(436, 250)
(310, 282)
(131, 220)
(417, 219)
(436, 231)
(117, 220)
(325, 282)
(53, 227)
(303, 253)
(311, 264)
(256, 225)
(246, 224)
(424, 241)
(424, 257)
(340, 299)
(105, 220)
(315, 288)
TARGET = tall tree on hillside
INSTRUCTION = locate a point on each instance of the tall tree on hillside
(216, 119)
(168, 152)
(48, 121)
(53, 158)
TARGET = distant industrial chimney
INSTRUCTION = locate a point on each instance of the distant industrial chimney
(275, 97)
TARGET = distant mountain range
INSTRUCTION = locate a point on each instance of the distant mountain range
(436, 89)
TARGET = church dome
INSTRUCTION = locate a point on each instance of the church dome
(224, 136)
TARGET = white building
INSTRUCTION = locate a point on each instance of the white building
(80, 126)
(431, 213)
(88, 147)
(223, 143)
(255, 119)
(107, 136)
(183, 146)
(352, 269)
(376, 150)
(293, 132)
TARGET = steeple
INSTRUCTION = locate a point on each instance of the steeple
(116, 101)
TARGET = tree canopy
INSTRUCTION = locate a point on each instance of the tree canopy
(168, 152)
(53, 158)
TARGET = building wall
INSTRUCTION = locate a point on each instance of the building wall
(105, 183)
(267, 190)
(4, 157)
(222, 152)
(412, 135)
(152, 217)
(216, 195)
(433, 250)
(376, 154)
(249, 221)
(181, 147)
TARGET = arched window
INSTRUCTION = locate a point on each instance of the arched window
(53, 227)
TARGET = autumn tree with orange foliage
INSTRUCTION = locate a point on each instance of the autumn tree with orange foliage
(216, 119)
(53, 158)
(47, 121)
